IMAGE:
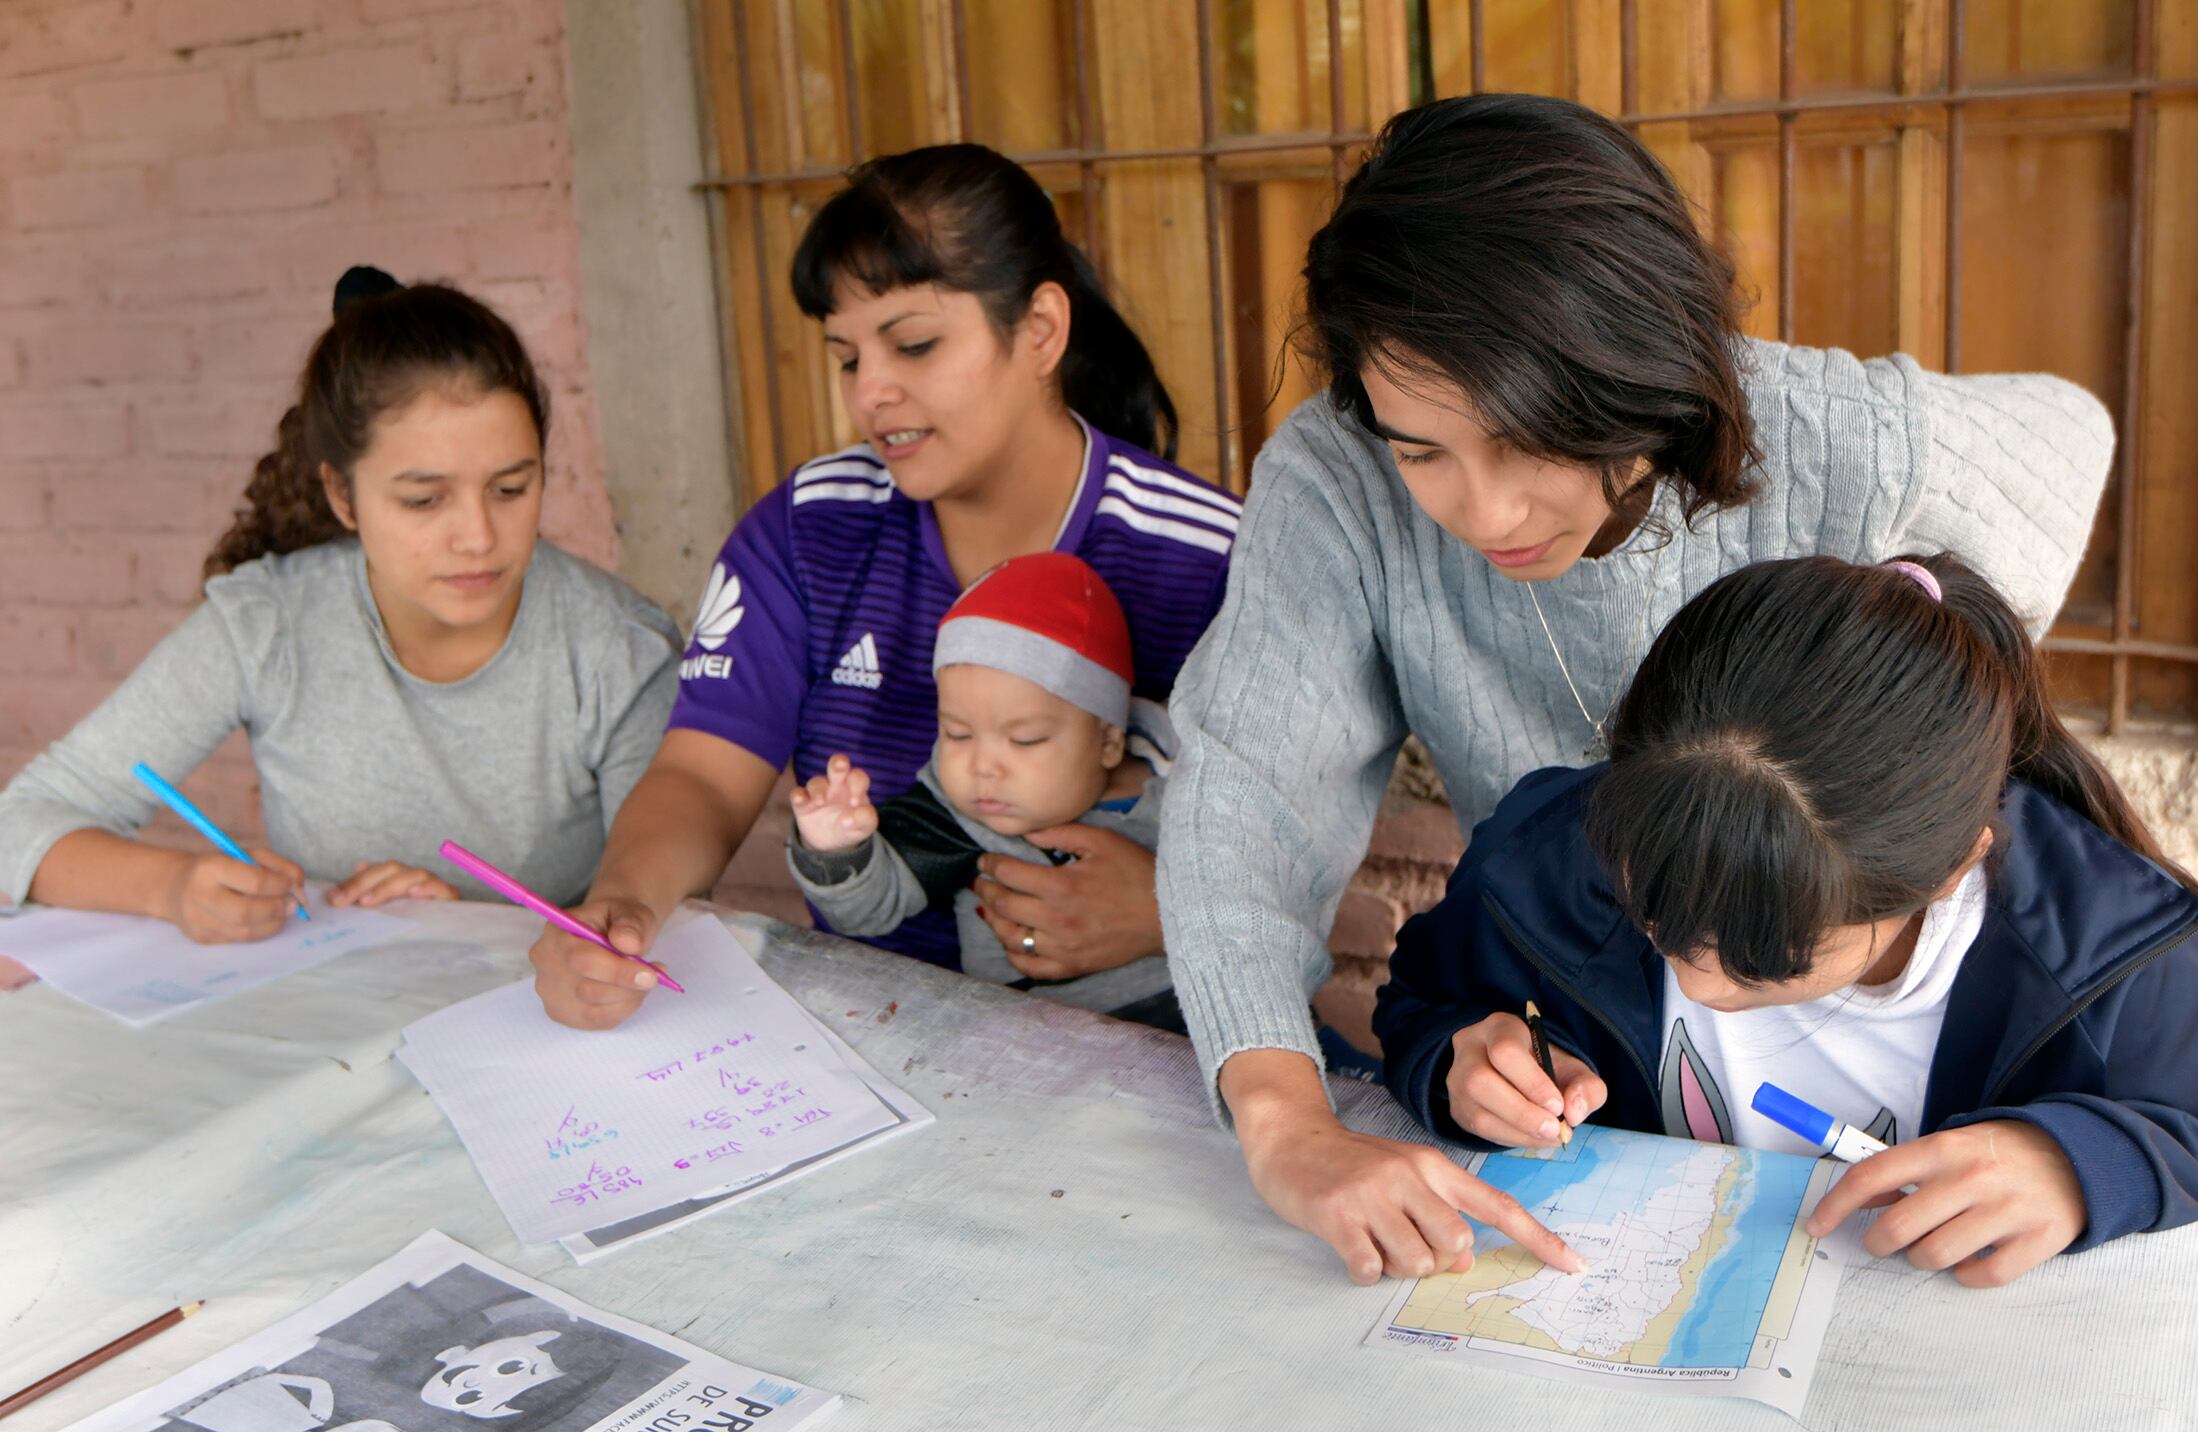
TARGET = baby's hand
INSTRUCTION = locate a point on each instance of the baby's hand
(833, 812)
(1498, 1091)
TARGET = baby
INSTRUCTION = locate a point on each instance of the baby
(1033, 670)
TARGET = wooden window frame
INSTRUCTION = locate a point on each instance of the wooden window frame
(1389, 52)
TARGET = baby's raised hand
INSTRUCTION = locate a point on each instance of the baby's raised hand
(833, 811)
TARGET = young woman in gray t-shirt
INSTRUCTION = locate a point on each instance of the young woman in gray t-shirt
(408, 660)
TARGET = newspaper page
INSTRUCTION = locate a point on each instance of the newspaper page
(441, 1339)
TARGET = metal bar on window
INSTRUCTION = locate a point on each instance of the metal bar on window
(1209, 123)
(1476, 46)
(1897, 103)
(2135, 646)
(1788, 28)
(1335, 89)
(849, 82)
(1629, 56)
(1893, 105)
(755, 212)
(1087, 134)
(1315, 139)
(965, 119)
(2133, 372)
(1957, 77)
(1318, 139)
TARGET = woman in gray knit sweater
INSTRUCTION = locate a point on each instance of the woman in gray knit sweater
(1543, 434)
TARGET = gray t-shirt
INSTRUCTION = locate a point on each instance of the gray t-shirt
(524, 762)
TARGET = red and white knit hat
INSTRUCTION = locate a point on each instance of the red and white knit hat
(1048, 618)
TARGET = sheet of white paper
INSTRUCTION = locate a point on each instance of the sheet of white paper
(908, 1115)
(440, 1337)
(142, 970)
(572, 1129)
(1701, 1278)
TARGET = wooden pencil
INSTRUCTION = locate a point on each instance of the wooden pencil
(91, 1360)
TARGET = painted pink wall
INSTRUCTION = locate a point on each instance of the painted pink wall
(181, 182)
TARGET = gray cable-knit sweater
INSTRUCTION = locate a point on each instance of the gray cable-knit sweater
(524, 762)
(1352, 620)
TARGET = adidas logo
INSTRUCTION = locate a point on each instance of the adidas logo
(721, 610)
(860, 666)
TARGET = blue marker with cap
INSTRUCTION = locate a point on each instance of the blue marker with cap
(176, 801)
(1844, 1142)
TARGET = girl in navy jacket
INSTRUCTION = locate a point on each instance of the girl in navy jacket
(1842, 840)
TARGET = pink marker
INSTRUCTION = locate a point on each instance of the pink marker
(518, 894)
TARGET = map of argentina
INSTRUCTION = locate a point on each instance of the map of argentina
(1698, 1270)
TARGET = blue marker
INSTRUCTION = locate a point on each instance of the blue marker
(1844, 1142)
(176, 801)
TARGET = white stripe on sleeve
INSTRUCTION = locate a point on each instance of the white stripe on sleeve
(1182, 532)
(843, 492)
(1154, 477)
(1173, 506)
(826, 468)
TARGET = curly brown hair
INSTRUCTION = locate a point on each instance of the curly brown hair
(386, 345)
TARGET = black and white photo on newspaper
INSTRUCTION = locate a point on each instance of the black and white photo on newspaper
(441, 1339)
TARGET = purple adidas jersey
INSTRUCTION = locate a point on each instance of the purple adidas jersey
(814, 636)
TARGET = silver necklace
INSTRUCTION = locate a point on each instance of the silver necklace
(1598, 748)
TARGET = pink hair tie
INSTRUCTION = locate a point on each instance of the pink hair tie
(1920, 575)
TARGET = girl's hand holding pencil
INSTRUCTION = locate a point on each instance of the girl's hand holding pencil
(219, 900)
(1498, 1091)
(225, 898)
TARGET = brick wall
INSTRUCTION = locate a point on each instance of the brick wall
(181, 182)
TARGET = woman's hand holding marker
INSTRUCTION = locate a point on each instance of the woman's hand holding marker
(589, 969)
(1498, 1091)
(586, 986)
(2003, 1185)
(833, 811)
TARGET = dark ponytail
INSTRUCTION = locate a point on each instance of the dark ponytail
(1811, 744)
(388, 342)
(2042, 751)
(971, 219)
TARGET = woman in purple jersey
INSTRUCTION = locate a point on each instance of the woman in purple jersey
(1007, 408)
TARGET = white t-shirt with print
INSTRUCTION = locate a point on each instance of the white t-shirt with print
(1862, 1055)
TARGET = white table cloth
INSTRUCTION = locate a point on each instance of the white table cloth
(1073, 1245)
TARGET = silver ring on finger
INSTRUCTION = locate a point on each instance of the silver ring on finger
(1030, 942)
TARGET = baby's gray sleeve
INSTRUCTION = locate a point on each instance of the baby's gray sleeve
(864, 890)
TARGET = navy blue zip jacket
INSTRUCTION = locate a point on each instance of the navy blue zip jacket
(2076, 1009)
